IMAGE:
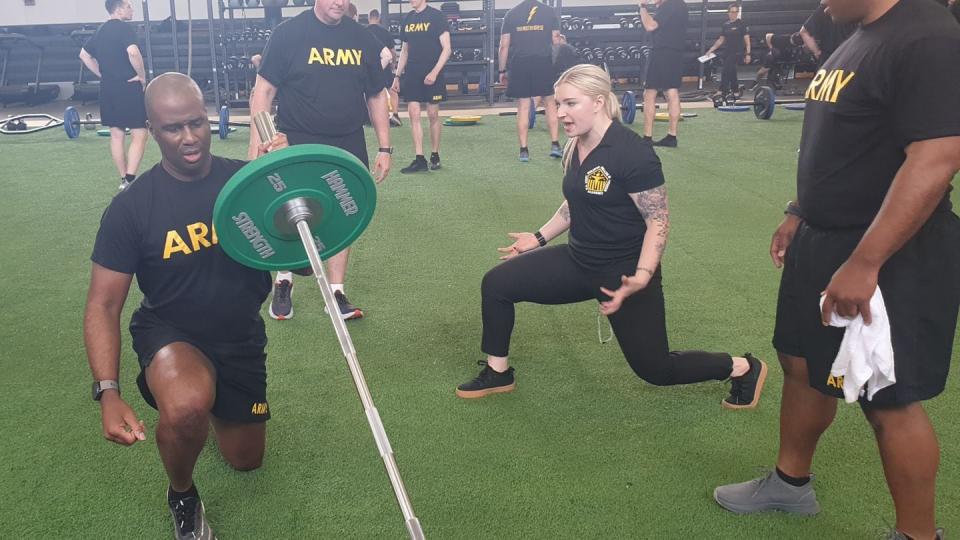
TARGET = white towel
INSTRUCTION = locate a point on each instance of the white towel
(865, 358)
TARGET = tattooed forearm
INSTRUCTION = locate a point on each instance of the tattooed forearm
(652, 205)
(564, 212)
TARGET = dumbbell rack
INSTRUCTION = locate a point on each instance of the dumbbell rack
(472, 35)
(237, 46)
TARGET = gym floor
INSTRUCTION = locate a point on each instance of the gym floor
(582, 448)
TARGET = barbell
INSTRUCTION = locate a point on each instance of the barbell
(72, 123)
(764, 103)
(293, 208)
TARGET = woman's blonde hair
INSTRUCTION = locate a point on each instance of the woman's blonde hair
(593, 82)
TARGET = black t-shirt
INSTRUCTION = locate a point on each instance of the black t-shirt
(421, 32)
(322, 72)
(382, 34)
(606, 228)
(733, 33)
(671, 32)
(892, 83)
(955, 9)
(161, 230)
(828, 34)
(564, 57)
(530, 25)
(109, 47)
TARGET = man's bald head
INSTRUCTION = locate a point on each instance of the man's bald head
(171, 91)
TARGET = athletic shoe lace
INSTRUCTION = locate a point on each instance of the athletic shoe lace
(282, 293)
(185, 513)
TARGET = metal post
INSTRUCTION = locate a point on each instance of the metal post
(703, 41)
(36, 89)
(173, 35)
(491, 14)
(146, 38)
(213, 53)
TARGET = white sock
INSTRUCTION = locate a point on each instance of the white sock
(337, 287)
(284, 276)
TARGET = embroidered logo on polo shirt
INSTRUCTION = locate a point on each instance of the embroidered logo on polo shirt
(597, 181)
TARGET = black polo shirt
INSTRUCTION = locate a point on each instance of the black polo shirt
(606, 228)
(733, 33)
(893, 82)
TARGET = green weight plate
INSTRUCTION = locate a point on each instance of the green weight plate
(71, 122)
(103, 132)
(249, 220)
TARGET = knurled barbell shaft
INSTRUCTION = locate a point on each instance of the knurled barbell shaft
(300, 214)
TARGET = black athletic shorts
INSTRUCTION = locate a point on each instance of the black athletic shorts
(665, 70)
(241, 368)
(355, 142)
(412, 87)
(921, 292)
(121, 105)
(531, 76)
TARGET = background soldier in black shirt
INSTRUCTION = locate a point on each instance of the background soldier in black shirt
(420, 78)
(665, 74)
(384, 36)
(113, 55)
(822, 34)
(879, 148)
(529, 32)
(615, 208)
(735, 40)
(198, 334)
(324, 69)
(565, 56)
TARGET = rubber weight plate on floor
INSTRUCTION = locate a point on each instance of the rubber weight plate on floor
(250, 221)
(628, 106)
(764, 102)
(733, 108)
(71, 122)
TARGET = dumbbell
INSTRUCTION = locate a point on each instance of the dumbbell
(598, 54)
(458, 55)
(626, 23)
(610, 54)
(478, 54)
(576, 24)
(586, 54)
(587, 24)
(454, 25)
(231, 63)
(564, 24)
(622, 53)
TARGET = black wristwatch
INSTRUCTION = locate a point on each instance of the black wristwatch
(100, 386)
(388, 150)
(540, 239)
(792, 209)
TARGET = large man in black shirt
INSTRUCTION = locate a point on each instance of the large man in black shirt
(324, 68)
(669, 28)
(420, 77)
(527, 37)
(198, 333)
(113, 55)
(872, 215)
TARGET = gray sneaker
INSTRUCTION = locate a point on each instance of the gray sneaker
(189, 520)
(767, 493)
(894, 534)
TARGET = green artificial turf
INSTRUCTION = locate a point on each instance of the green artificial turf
(582, 448)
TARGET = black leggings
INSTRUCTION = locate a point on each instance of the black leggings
(551, 276)
(729, 82)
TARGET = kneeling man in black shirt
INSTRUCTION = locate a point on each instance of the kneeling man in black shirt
(198, 333)
(872, 216)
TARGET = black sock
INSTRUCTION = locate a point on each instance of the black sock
(130, 177)
(420, 157)
(555, 143)
(669, 136)
(524, 149)
(797, 482)
(434, 156)
(173, 496)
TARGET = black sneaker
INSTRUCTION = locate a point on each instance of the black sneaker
(434, 161)
(487, 382)
(524, 155)
(670, 141)
(419, 164)
(123, 184)
(647, 140)
(395, 121)
(745, 390)
(189, 520)
(281, 307)
(897, 535)
(348, 311)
